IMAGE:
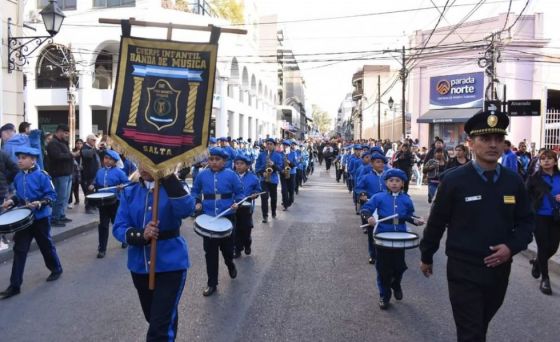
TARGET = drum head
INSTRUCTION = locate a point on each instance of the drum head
(100, 195)
(246, 204)
(15, 215)
(211, 223)
(396, 236)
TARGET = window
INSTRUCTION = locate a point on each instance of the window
(114, 3)
(63, 4)
(54, 66)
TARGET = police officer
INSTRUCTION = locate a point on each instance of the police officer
(485, 208)
(134, 226)
(216, 189)
(34, 189)
(108, 176)
(269, 160)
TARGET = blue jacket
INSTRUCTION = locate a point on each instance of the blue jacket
(371, 184)
(35, 185)
(260, 165)
(14, 143)
(135, 211)
(546, 206)
(251, 184)
(129, 167)
(509, 160)
(107, 177)
(223, 182)
(386, 205)
(293, 159)
(232, 153)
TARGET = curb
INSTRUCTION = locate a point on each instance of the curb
(9, 254)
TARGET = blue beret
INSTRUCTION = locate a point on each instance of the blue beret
(395, 173)
(212, 140)
(114, 155)
(243, 157)
(271, 140)
(218, 151)
(378, 156)
(222, 139)
(376, 149)
(286, 142)
(30, 151)
(366, 155)
(294, 142)
(357, 147)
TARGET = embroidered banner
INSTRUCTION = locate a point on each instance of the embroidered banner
(162, 102)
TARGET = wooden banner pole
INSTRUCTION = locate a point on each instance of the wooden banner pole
(153, 247)
(135, 22)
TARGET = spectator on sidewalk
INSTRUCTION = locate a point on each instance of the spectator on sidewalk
(433, 168)
(460, 157)
(523, 158)
(404, 160)
(91, 162)
(509, 159)
(8, 170)
(61, 168)
(76, 175)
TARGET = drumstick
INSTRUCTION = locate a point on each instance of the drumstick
(379, 221)
(114, 187)
(238, 203)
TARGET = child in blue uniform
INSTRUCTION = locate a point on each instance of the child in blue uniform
(35, 190)
(216, 189)
(390, 263)
(108, 176)
(269, 159)
(134, 226)
(244, 215)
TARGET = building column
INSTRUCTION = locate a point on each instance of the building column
(84, 103)
(235, 126)
(222, 119)
(31, 113)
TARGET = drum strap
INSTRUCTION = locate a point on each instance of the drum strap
(169, 234)
(216, 196)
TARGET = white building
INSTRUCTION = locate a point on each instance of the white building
(244, 94)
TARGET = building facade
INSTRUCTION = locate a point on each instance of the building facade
(81, 65)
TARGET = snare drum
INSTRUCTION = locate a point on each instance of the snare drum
(102, 199)
(209, 226)
(396, 240)
(16, 219)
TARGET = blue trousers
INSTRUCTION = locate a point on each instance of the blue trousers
(62, 186)
(40, 230)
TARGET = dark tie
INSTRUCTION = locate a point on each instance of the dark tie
(489, 176)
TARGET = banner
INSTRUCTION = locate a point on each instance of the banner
(457, 91)
(162, 102)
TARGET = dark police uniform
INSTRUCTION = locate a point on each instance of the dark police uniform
(244, 215)
(135, 212)
(107, 177)
(271, 187)
(218, 191)
(480, 209)
(33, 185)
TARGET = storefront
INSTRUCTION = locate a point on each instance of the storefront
(453, 100)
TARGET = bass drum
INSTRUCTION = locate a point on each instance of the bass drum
(211, 227)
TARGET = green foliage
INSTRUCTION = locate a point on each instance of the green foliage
(231, 10)
(321, 119)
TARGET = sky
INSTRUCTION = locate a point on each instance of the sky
(329, 82)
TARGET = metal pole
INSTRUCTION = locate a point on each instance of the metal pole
(378, 107)
(403, 77)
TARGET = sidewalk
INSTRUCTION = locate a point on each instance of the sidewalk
(419, 196)
(81, 222)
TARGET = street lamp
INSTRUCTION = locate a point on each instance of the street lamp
(391, 102)
(18, 47)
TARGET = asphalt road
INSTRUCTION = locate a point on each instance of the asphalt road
(307, 280)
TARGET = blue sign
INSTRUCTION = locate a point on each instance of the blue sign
(457, 91)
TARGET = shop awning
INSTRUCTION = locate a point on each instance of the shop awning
(450, 115)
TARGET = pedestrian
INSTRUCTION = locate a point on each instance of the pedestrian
(524, 158)
(404, 160)
(438, 143)
(460, 157)
(390, 263)
(544, 191)
(108, 176)
(91, 162)
(268, 164)
(135, 227)
(34, 190)
(328, 155)
(244, 214)
(509, 159)
(486, 211)
(216, 189)
(433, 168)
(8, 170)
(76, 175)
(61, 167)
(417, 166)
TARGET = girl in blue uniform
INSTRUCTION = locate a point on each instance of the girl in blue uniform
(134, 226)
(108, 176)
(390, 263)
(244, 214)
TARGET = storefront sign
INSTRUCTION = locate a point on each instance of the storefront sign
(524, 107)
(457, 91)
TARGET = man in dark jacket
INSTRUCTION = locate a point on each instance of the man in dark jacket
(404, 159)
(8, 170)
(90, 164)
(60, 168)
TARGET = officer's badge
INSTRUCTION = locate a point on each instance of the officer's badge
(492, 120)
(161, 110)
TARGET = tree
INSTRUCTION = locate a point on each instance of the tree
(321, 119)
(231, 10)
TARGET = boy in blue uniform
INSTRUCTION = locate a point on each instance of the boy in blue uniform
(244, 215)
(134, 226)
(108, 176)
(288, 183)
(390, 263)
(35, 190)
(368, 186)
(269, 160)
(216, 189)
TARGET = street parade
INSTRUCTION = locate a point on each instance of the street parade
(143, 145)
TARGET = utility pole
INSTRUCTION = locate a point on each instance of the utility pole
(489, 63)
(403, 76)
(378, 107)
